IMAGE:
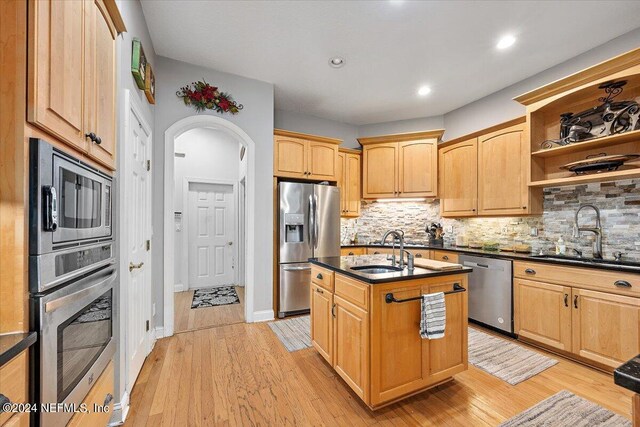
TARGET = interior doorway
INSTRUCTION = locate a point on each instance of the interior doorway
(207, 173)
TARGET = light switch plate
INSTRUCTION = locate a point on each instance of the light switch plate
(533, 231)
(448, 229)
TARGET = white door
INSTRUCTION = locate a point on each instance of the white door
(211, 235)
(137, 229)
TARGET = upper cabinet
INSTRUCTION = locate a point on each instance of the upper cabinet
(71, 69)
(486, 174)
(401, 165)
(348, 179)
(298, 155)
(578, 99)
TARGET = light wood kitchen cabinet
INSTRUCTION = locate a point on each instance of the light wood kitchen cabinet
(348, 251)
(303, 156)
(100, 395)
(401, 165)
(348, 180)
(71, 70)
(322, 321)
(351, 336)
(592, 315)
(502, 172)
(14, 382)
(445, 256)
(605, 327)
(459, 179)
(485, 174)
(543, 313)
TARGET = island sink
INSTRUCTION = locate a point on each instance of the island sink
(376, 269)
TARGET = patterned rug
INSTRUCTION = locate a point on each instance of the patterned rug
(210, 297)
(294, 333)
(504, 359)
(565, 409)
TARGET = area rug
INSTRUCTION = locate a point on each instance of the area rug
(210, 297)
(565, 409)
(294, 333)
(504, 359)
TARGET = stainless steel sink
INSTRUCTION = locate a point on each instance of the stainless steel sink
(376, 269)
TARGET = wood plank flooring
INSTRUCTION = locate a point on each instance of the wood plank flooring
(188, 319)
(241, 375)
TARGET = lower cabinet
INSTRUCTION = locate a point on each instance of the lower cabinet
(322, 321)
(595, 326)
(100, 395)
(353, 251)
(351, 336)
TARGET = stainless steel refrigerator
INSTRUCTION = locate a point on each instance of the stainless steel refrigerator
(309, 221)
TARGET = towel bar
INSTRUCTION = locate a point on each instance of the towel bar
(456, 289)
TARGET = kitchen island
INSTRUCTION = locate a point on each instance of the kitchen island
(365, 330)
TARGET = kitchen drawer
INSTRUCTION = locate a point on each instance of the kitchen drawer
(588, 278)
(377, 251)
(322, 277)
(421, 253)
(101, 394)
(14, 381)
(445, 256)
(352, 291)
(353, 251)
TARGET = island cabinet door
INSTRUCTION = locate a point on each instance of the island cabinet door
(606, 327)
(321, 321)
(396, 346)
(351, 336)
(447, 356)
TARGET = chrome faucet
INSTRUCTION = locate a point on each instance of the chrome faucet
(399, 236)
(597, 230)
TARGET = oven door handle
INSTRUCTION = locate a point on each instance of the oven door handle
(52, 306)
(50, 207)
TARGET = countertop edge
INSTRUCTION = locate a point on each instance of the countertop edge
(17, 348)
(627, 380)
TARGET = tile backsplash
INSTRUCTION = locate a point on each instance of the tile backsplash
(619, 204)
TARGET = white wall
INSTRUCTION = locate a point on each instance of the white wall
(304, 123)
(256, 119)
(209, 154)
(131, 12)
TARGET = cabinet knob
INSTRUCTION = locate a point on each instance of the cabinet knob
(333, 312)
(473, 210)
(320, 291)
(566, 300)
(418, 255)
(98, 140)
(319, 276)
(530, 271)
(445, 257)
(351, 253)
(376, 253)
(575, 301)
(91, 136)
(524, 207)
(622, 284)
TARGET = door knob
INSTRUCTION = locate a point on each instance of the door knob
(133, 266)
(230, 243)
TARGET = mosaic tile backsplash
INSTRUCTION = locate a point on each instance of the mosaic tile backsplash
(619, 204)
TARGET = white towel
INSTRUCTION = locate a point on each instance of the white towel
(434, 316)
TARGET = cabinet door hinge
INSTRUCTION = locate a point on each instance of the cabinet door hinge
(148, 165)
(148, 245)
(147, 326)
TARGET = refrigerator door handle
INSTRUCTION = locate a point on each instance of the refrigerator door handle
(315, 221)
(312, 222)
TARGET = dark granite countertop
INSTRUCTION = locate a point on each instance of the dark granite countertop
(13, 344)
(343, 265)
(628, 375)
(611, 265)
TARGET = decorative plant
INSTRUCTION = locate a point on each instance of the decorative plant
(203, 96)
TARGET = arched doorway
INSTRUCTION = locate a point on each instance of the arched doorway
(235, 132)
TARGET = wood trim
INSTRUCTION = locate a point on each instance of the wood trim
(306, 136)
(350, 150)
(491, 129)
(116, 17)
(636, 410)
(603, 69)
(399, 137)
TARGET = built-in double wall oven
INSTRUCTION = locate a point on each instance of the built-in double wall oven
(72, 275)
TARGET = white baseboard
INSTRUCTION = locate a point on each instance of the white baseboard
(120, 410)
(158, 332)
(263, 315)
(178, 287)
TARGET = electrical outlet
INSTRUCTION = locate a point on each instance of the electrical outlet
(533, 231)
(153, 308)
(448, 229)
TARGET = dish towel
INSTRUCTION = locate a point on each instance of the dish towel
(434, 316)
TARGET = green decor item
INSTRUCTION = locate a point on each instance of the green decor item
(203, 96)
(138, 64)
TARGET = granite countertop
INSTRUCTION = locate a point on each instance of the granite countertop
(343, 265)
(628, 375)
(13, 344)
(611, 265)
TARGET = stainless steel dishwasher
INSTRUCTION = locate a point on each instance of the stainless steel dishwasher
(490, 291)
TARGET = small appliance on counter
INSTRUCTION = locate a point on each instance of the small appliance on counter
(309, 221)
(435, 233)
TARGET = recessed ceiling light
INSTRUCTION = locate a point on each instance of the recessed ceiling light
(424, 90)
(506, 42)
(336, 62)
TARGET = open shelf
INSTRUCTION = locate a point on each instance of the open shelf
(605, 141)
(585, 179)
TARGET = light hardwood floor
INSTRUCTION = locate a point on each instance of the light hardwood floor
(242, 375)
(188, 319)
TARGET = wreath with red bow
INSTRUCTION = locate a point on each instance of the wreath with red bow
(203, 96)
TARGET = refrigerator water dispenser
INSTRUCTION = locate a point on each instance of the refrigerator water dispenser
(294, 228)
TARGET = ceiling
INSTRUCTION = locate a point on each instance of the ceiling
(390, 47)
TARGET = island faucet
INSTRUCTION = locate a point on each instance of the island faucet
(597, 230)
(398, 235)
